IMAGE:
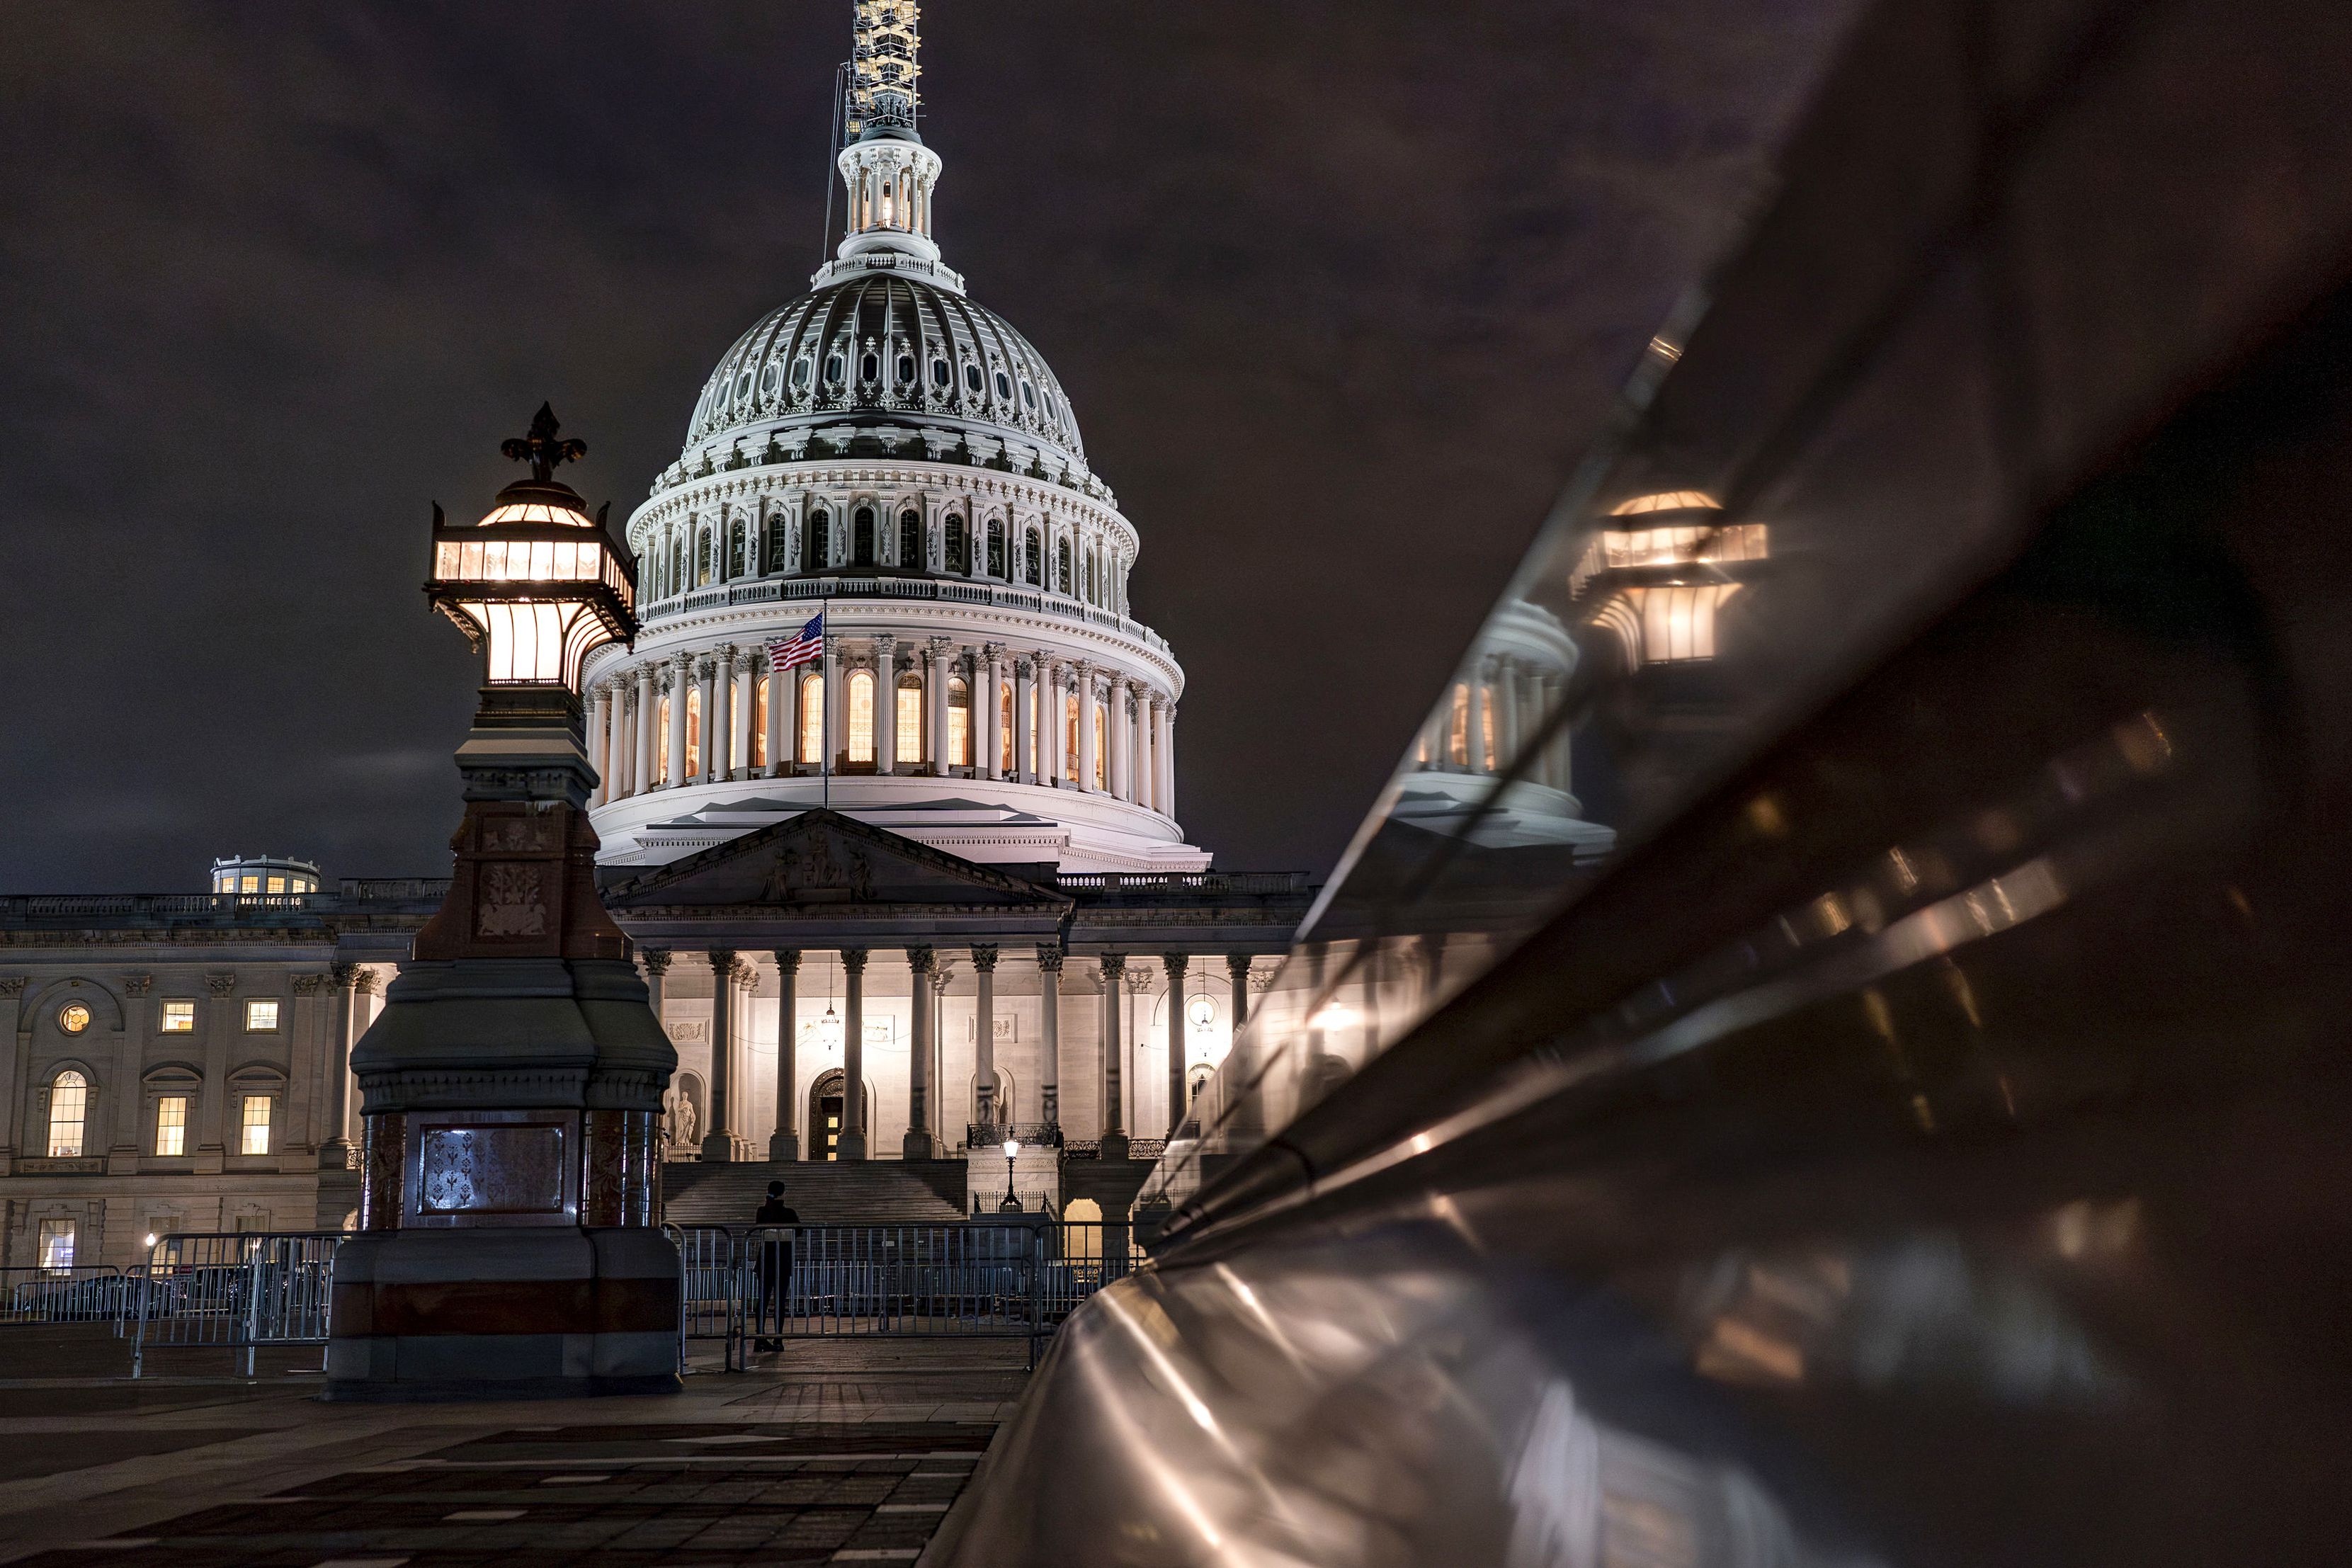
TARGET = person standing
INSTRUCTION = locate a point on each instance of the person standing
(775, 1274)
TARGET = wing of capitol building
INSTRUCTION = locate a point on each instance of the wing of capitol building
(888, 799)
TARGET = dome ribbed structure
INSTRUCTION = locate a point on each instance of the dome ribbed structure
(880, 351)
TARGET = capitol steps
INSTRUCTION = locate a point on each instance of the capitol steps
(865, 1191)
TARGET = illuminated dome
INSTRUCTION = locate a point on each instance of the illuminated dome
(895, 359)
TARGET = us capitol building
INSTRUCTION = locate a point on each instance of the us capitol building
(942, 862)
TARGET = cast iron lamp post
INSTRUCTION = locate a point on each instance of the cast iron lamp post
(512, 1087)
(1011, 1203)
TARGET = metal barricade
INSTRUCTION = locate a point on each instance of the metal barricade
(87, 1293)
(707, 1296)
(236, 1290)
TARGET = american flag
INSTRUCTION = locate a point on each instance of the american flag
(806, 647)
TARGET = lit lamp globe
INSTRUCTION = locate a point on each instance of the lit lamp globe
(510, 1089)
(1011, 1203)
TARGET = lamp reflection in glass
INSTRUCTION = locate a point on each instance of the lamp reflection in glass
(537, 582)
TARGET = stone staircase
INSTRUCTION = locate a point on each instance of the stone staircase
(865, 1191)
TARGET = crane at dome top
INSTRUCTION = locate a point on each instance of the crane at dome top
(883, 68)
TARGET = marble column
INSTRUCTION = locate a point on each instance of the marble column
(784, 1142)
(942, 671)
(642, 775)
(1049, 1032)
(1049, 722)
(853, 1053)
(1087, 753)
(1138, 747)
(919, 1144)
(600, 740)
(1176, 964)
(834, 737)
(1167, 761)
(747, 695)
(713, 725)
(943, 1127)
(983, 1037)
(989, 729)
(335, 1153)
(885, 704)
(1238, 966)
(1024, 719)
(783, 730)
(680, 679)
(623, 754)
(1114, 1125)
(719, 1140)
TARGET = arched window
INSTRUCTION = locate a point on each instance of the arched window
(811, 719)
(958, 723)
(939, 376)
(678, 564)
(774, 533)
(1102, 747)
(738, 548)
(1069, 768)
(661, 741)
(835, 369)
(860, 717)
(910, 540)
(1032, 560)
(1091, 599)
(995, 548)
(861, 537)
(869, 367)
(1004, 728)
(762, 691)
(959, 547)
(910, 719)
(814, 554)
(1457, 741)
(972, 379)
(703, 562)
(1061, 565)
(693, 732)
(905, 370)
(69, 1107)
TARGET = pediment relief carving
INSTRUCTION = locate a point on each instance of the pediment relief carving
(821, 858)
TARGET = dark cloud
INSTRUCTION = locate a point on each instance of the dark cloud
(1338, 291)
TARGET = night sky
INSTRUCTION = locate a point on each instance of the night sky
(1339, 290)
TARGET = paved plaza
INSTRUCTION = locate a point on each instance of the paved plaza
(832, 1452)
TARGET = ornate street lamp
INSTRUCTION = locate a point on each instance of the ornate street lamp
(512, 1087)
(1011, 1203)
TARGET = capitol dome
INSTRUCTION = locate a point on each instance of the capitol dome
(872, 351)
(886, 459)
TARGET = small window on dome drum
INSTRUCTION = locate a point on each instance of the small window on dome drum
(995, 549)
(959, 547)
(1028, 395)
(861, 537)
(812, 542)
(939, 376)
(971, 377)
(869, 368)
(802, 373)
(739, 547)
(743, 385)
(905, 370)
(1004, 385)
(835, 369)
(1062, 573)
(1033, 560)
(774, 532)
(910, 540)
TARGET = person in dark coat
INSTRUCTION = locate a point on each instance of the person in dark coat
(775, 1264)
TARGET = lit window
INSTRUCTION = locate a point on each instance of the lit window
(172, 1125)
(249, 885)
(910, 719)
(958, 724)
(69, 1104)
(1667, 625)
(278, 884)
(693, 732)
(261, 1014)
(179, 1018)
(58, 1243)
(763, 695)
(253, 1127)
(811, 718)
(1005, 727)
(1102, 748)
(661, 743)
(73, 1018)
(1458, 732)
(861, 716)
(1069, 768)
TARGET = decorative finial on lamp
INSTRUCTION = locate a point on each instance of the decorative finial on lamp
(542, 448)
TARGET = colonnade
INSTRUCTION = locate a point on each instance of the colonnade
(1487, 721)
(927, 1131)
(1072, 724)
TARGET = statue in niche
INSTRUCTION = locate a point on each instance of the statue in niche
(683, 1126)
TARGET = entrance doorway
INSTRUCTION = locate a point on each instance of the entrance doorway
(826, 1106)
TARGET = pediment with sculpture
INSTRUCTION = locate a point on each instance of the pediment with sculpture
(824, 859)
